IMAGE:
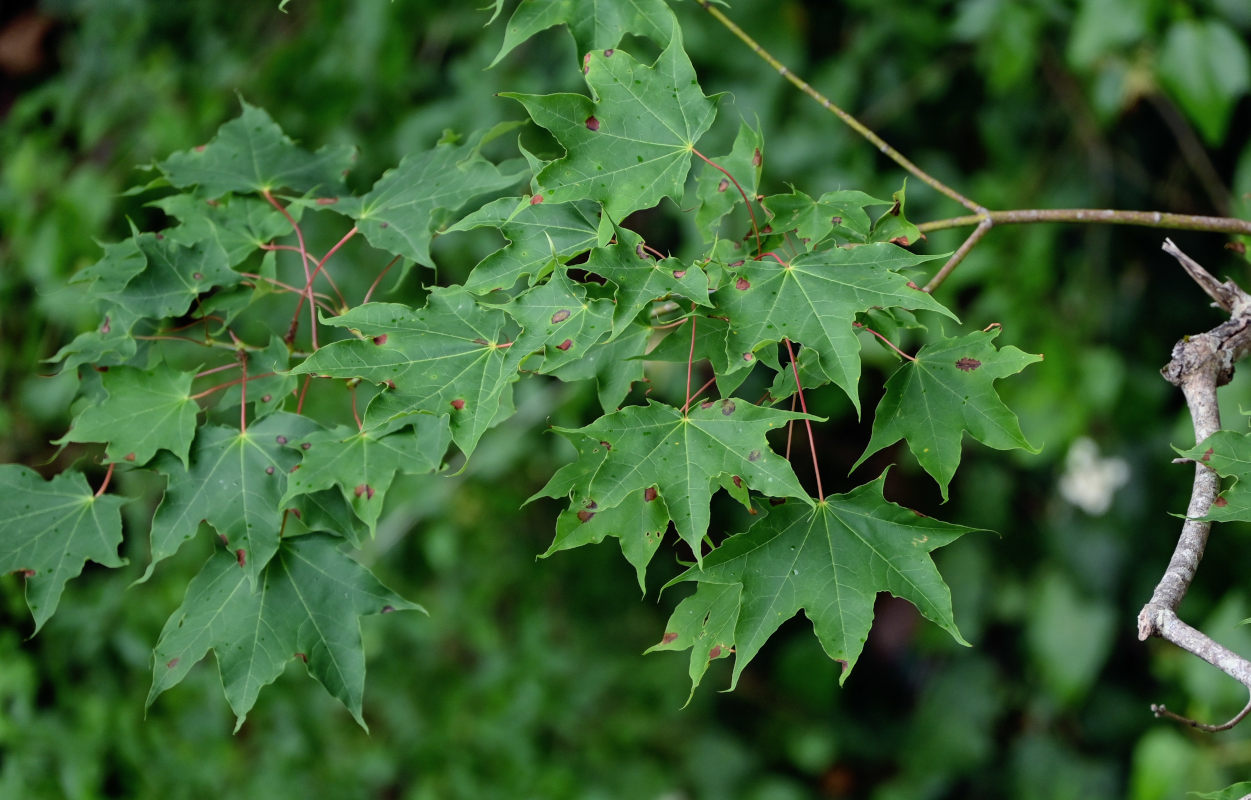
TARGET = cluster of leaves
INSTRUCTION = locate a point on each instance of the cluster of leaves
(776, 305)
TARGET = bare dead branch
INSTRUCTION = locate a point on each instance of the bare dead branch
(1198, 366)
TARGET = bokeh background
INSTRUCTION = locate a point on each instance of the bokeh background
(527, 680)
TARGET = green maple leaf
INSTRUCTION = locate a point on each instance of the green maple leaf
(1228, 453)
(638, 523)
(640, 279)
(121, 261)
(814, 300)
(830, 561)
(682, 458)
(814, 220)
(252, 154)
(538, 234)
(109, 344)
(236, 483)
(947, 390)
(306, 605)
(558, 319)
(411, 203)
(630, 146)
(144, 411)
(594, 24)
(716, 194)
(362, 463)
(238, 225)
(175, 275)
(444, 359)
(893, 226)
(49, 529)
(269, 383)
(614, 365)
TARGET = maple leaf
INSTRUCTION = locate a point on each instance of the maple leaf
(716, 194)
(615, 365)
(558, 319)
(594, 24)
(640, 279)
(174, 276)
(238, 225)
(49, 529)
(306, 605)
(638, 523)
(410, 203)
(1228, 453)
(539, 235)
(445, 358)
(949, 389)
(814, 220)
(893, 226)
(236, 483)
(630, 146)
(144, 411)
(252, 154)
(362, 463)
(830, 560)
(680, 457)
(814, 300)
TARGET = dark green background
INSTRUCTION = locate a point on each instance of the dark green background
(527, 679)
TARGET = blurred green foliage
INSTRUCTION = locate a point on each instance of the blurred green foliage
(526, 679)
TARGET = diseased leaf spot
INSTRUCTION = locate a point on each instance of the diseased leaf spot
(585, 516)
(565, 345)
(592, 124)
(669, 637)
(384, 225)
(306, 446)
(741, 284)
(538, 198)
(269, 470)
(1220, 502)
(380, 339)
(106, 327)
(707, 404)
(756, 158)
(913, 285)
(1207, 455)
(327, 201)
(776, 501)
(280, 439)
(130, 456)
(241, 556)
(605, 445)
(388, 609)
(967, 364)
(586, 63)
(608, 53)
(725, 184)
(727, 407)
(748, 357)
(836, 220)
(591, 504)
(482, 342)
(679, 274)
(649, 494)
(173, 662)
(560, 316)
(302, 657)
(265, 398)
(714, 652)
(199, 276)
(753, 456)
(458, 404)
(26, 573)
(639, 251)
(738, 482)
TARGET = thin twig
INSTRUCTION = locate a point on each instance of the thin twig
(1106, 216)
(976, 236)
(803, 406)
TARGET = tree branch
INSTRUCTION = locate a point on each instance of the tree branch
(1199, 365)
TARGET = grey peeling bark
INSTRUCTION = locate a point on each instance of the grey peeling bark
(1199, 365)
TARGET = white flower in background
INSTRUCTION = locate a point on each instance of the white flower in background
(1089, 482)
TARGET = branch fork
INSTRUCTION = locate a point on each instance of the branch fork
(1199, 365)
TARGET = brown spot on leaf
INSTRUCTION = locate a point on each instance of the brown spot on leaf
(756, 158)
(390, 384)
(199, 276)
(649, 494)
(458, 404)
(592, 124)
(591, 504)
(738, 263)
(754, 455)
(302, 657)
(565, 345)
(1207, 455)
(360, 489)
(482, 342)
(200, 148)
(173, 662)
(585, 516)
(1237, 247)
(280, 439)
(380, 339)
(26, 573)
(742, 284)
(269, 470)
(913, 285)
(727, 407)
(586, 63)
(725, 184)
(776, 501)
(679, 274)
(714, 652)
(639, 251)
(1220, 502)
(707, 404)
(306, 446)
(130, 456)
(106, 327)
(608, 53)
(327, 201)
(605, 445)
(748, 356)
(902, 241)
(538, 198)
(669, 637)
(967, 364)
(738, 482)
(388, 609)
(836, 220)
(241, 556)
(560, 316)
(384, 225)
(265, 398)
